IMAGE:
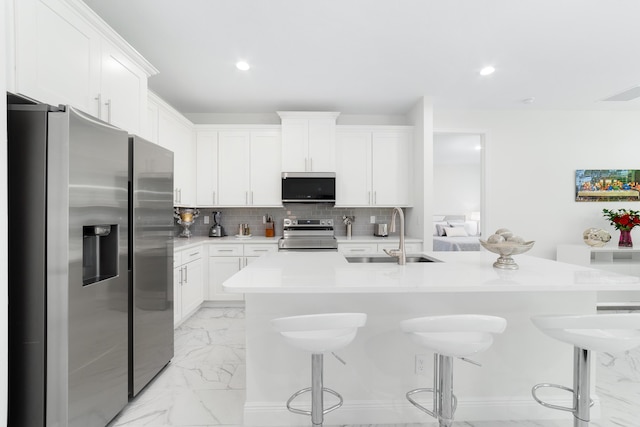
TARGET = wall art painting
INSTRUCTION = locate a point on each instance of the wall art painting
(607, 185)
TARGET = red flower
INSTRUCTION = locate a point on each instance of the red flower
(622, 219)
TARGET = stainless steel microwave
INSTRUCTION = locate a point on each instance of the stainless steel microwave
(308, 187)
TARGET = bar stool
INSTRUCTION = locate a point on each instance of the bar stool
(448, 337)
(318, 334)
(611, 333)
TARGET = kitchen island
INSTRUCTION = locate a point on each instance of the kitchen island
(380, 363)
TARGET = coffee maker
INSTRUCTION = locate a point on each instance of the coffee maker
(216, 229)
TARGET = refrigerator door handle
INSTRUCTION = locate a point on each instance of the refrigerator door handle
(99, 99)
(92, 119)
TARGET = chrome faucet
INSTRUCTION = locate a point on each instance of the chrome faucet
(398, 253)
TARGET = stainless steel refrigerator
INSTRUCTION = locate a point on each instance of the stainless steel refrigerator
(68, 296)
(151, 231)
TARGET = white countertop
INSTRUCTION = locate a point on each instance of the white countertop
(329, 272)
(184, 243)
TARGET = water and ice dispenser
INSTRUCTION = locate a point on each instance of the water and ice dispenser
(99, 253)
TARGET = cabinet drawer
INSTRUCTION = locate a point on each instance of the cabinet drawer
(364, 248)
(258, 250)
(225, 250)
(192, 254)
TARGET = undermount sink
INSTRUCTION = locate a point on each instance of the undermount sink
(388, 259)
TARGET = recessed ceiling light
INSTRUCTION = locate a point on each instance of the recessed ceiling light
(487, 70)
(529, 100)
(243, 66)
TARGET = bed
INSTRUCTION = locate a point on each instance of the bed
(454, 233)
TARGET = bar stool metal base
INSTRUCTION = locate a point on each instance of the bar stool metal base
(582, 402)
(317, 411)
(444, 401)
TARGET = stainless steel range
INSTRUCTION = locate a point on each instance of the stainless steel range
(308, 235)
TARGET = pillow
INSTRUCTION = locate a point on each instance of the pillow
(438, 228)
(455, 232)
(455, 223)
(471, 227)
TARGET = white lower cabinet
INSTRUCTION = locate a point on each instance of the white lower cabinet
(225, 260)
(177, 293)
(187, 282)
(353, 249)
(220, 269)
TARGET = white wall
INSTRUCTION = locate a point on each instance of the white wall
(530, 163)
(456, 188)
(419, 217)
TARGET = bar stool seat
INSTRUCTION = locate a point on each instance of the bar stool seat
(448, 337)
(318, 334)
(612, 333)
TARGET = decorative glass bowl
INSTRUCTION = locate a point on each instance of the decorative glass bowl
(596, 237)
(505, 250)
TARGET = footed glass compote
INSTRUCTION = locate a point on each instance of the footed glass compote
(185, 219)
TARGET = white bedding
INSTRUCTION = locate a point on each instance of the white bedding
(453, 244)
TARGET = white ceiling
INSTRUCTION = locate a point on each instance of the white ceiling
(381, 56)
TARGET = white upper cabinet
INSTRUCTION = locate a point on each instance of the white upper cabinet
(65, 54)
(391, 158)
(234, 150)
(238, 167)
(266, 168)
(206, 168)
(123, 93)
(57, 55)
(308, 141)
(373, 166)
(353, 168)
(177, 134)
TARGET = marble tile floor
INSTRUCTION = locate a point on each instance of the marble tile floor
(204, 384)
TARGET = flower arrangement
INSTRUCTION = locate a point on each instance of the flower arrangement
(622, 219)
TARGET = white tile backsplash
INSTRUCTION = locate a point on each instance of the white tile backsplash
(232, 217)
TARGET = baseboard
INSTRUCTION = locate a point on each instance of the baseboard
(222, 304)
(268, 414)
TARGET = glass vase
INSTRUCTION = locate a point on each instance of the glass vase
(625, 239)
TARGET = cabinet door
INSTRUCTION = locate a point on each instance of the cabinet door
(233, 168)
(353, 166)
(207, 168)
(57, 55)
(266, 169)
(322, 145)
(192, 289)
(295, 144)
(152, 122)
(391, 167)
(124, 91)
(177, 136)
(177, 295)
(220, 269)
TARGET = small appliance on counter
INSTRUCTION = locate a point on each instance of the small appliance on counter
(380, 230)
(216, 229)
